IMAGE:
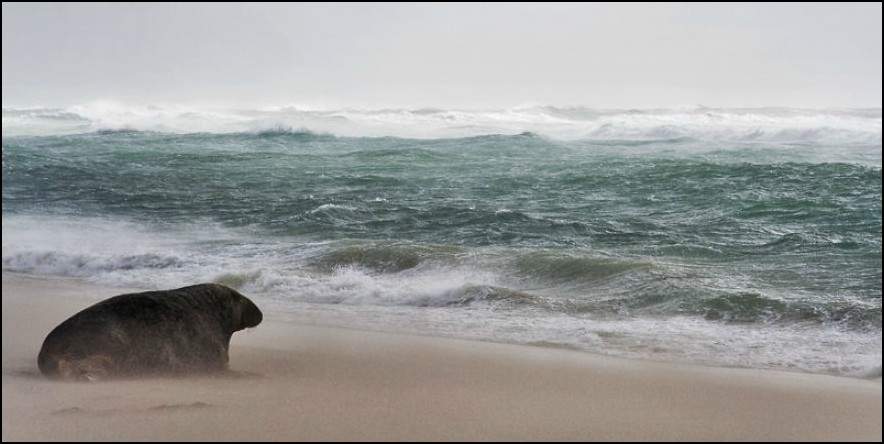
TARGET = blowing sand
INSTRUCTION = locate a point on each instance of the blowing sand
(315, 383)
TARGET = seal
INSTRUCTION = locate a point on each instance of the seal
(186, 330)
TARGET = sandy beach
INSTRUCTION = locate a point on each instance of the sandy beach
(317, 383)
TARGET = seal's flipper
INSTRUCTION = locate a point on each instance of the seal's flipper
(91, 369)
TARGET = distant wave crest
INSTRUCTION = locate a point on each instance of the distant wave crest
(780, 125)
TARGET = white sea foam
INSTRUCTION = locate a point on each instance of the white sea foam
(129, 254)
(123, 253)
(782, 125)
(679, 339)
(330, 206)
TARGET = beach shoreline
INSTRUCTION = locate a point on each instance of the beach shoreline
(304, 382)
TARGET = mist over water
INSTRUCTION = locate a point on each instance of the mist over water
(743, 237)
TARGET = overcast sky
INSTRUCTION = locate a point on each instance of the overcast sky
(446, 55)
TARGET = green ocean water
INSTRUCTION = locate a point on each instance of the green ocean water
(750, 252)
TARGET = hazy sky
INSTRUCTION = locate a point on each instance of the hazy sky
(447, 55)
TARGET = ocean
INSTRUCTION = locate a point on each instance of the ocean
(726, 237)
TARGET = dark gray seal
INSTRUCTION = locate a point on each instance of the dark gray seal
(180, 331)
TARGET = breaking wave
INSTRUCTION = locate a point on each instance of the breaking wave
(780, 125)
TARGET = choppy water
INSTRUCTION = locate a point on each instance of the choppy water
(726, 237)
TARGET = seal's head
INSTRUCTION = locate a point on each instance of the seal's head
(250, 314)
(245, 313)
